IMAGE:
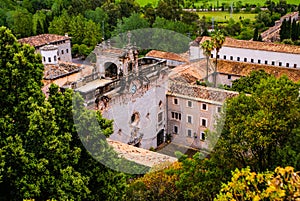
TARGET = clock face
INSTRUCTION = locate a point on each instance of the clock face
(133, 88)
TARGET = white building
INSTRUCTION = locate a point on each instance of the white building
(63, 44)
(255, 52)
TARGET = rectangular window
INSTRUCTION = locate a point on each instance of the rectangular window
(44, 59)
(218, 56)
(175, 101)
(273, 63)
(67, 50)
(212, 56)
(189, 119)
(218, 109)
(202, 136)
(287, 65)
(189, 104)
(229, 77)
(231, 57)
(203, 106)
(160, 117)
(54, 58)
(252, 60)
(280, 63)
(175, 129)
(176, 115)
(224, 57)
(258, 61)
(295, 65)
(189, 132)
(245, 59)
(62, 51)
(49, 59)
(238, 59)
(203, 122)
(266, 62)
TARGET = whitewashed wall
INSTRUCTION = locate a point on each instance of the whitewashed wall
(263, 56)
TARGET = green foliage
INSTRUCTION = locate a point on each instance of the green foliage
(42, 156)
(81, 30)
(135, 21)
(259, 126)
(20, 22)
(249, 83)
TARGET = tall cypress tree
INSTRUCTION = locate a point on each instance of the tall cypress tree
(294, 33)
(283, 28)
(255, 35)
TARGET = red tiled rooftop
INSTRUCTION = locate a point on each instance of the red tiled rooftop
(43, 39)
(166, 55)
(255, 45)
(244, 69)
(54, 71)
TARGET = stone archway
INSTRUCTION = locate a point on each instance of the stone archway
(111, 70)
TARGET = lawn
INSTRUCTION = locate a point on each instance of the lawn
(214, 2)
(224, 16)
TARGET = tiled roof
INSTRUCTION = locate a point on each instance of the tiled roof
(244, 69)
(200, 92)
(43, 39)
(55, 71)
(191, 72)
(139, 155)
(266, 46)
(166, 55)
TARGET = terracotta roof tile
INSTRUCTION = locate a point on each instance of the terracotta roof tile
(139, 155)
(43, 39)
(166, 55)
(200, 92)
(244, 69)
(191, 72)
(54, 71)
(266, 46)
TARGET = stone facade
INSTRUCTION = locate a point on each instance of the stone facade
(192, 110)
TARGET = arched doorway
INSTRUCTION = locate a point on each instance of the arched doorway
(111, 70)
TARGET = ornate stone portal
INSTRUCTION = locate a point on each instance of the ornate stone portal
(136, 93)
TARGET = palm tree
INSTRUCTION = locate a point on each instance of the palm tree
(207, 47)
(218, 40)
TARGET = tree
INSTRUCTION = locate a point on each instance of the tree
(42, 156)
(255, 36)
(135, 21)
(128, 8)
(207, 47)
(20, 22)
(39, 23)
(259, 126)
(218, 39)
(282, 184)
(294, 31)
(249, 83)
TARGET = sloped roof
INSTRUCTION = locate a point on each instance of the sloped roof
(190, 73)
(200, 92)
(244, 69)
(255, 45)
(166, 55)
(55, 71)
(139, 155)
(43, 39)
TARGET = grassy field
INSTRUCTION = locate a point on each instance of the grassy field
(224, 16)
(214, 2)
